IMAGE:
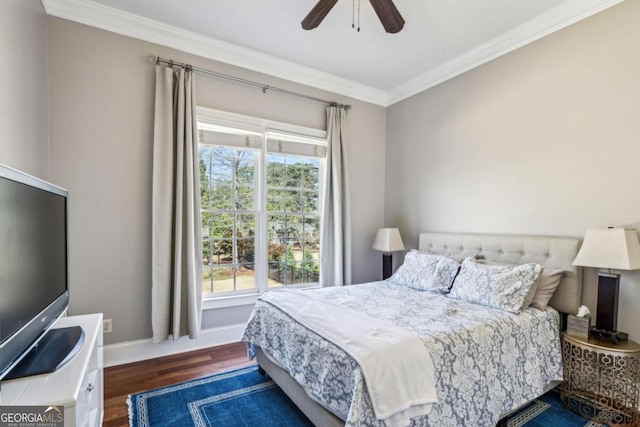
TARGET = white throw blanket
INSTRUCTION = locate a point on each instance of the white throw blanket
(395, 364)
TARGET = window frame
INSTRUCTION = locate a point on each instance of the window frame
(258, 162)
(210, 119)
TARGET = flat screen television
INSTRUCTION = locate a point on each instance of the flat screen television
(33, 264)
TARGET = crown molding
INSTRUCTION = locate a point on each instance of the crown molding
(553, 20)
(128, 24)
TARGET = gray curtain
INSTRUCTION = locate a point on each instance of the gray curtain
(176, 297)
(335, 228)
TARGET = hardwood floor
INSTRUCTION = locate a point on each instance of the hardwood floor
(121, 381)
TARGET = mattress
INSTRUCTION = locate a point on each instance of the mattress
(487, 361)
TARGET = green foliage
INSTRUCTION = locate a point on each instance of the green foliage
(206, 251)
(224, 246)
(204, 181)
(246, 250)
(290, 257)
(227, 180)
(310, 267)
(289, 260)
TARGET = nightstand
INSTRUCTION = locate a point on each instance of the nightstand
(602, 380)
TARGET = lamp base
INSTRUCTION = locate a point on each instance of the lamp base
(387, 265)
(607, 309)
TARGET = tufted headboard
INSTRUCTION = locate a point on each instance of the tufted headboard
(550, 252)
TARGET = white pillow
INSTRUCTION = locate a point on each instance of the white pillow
(426, 272)
(500, 286)
(546, 286)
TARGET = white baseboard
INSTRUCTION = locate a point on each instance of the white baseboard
(135, 351)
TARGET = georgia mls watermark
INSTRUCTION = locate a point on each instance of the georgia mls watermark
(31, 416)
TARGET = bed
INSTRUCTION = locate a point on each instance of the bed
(470, 345)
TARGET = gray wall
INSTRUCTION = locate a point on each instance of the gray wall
(101, 149)
(24, 105)
(545, 140)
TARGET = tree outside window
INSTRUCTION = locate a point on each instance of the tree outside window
(230, 180)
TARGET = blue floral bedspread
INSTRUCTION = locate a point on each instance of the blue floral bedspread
(487, 361)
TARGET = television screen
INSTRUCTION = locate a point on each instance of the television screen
(33, 264)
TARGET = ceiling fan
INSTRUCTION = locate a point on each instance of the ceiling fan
(385, 9)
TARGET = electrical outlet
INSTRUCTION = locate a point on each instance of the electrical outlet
(107, 326)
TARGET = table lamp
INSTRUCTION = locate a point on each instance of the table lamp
(611, 248)
(387, 240)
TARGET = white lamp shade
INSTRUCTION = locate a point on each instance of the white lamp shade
(388, 240)
(614, 248)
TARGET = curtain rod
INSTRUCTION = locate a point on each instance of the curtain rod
(264, 87)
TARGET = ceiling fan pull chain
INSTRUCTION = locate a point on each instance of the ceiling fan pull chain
(353, 13)
(387, 13)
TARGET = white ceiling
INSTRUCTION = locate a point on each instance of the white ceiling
(441, 38)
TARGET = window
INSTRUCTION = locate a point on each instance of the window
(293, 220)
(227, 187)
(260, 204)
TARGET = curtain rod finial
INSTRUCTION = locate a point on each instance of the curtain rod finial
(345, 107)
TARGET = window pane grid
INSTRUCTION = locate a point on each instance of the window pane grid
(293, 244)
(259, 208)
(228, 211)
(225, 211)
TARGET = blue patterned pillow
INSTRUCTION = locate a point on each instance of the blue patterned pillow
(499, 286)
(426, 272)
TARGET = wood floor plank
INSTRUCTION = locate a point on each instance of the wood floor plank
(123, 380)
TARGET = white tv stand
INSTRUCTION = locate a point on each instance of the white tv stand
(78, 385)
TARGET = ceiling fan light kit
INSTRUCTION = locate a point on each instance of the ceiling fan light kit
(387, 12)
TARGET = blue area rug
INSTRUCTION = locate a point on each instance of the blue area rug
(237, 398)
(245, 398)
(548, 411)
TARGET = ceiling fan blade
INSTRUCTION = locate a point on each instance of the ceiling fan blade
(388, 14)
(317, 14)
